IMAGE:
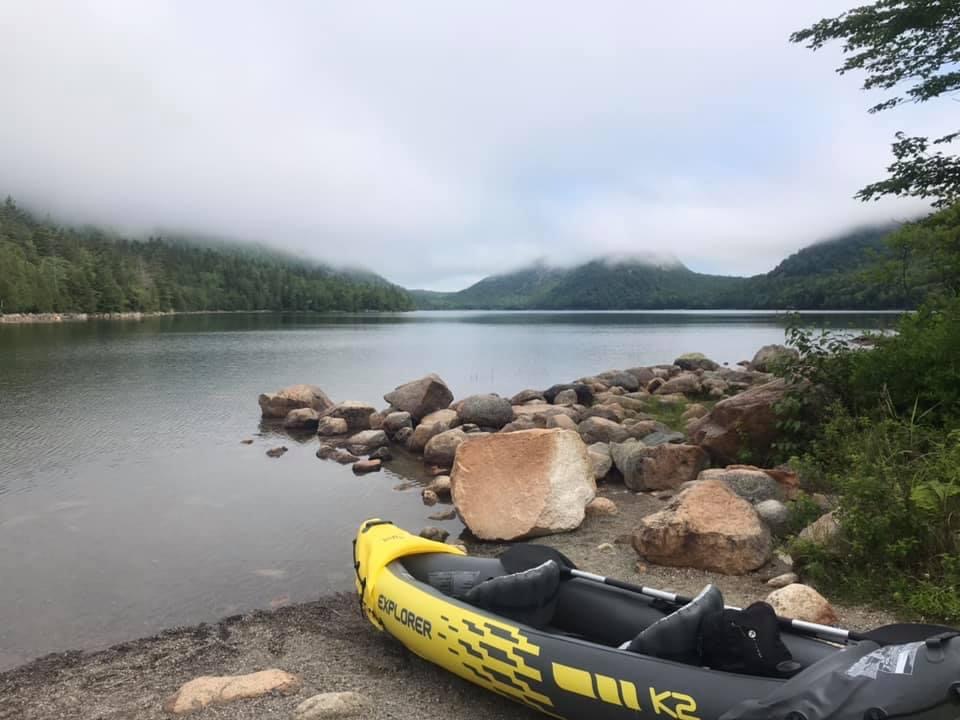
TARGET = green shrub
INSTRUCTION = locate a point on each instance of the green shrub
(803, 511)
(899, 487)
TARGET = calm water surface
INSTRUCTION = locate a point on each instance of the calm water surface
(128, 504)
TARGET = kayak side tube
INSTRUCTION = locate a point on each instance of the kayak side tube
(557, 675)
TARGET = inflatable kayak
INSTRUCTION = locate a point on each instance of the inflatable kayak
(532, 628)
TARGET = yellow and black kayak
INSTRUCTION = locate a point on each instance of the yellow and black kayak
(573, 645)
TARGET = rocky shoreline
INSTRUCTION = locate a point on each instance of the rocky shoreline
(532, 465)
(537, 464)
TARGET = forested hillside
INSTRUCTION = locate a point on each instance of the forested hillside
(47, 267)
(848, 272)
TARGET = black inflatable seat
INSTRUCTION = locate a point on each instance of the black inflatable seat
(677, 636)
(528, 596)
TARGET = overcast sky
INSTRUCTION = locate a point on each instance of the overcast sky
(436, 142)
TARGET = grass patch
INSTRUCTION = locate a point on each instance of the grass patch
(670, 413)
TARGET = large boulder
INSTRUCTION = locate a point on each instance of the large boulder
(356, 413)
(802, 602)
(421, 397)
(707, 526)
(597, 429)
(695, 361)
(522, 484)
(442, 448)
(663, 467)
(770, 356)
(743, 423)
(565, 397)
(490, 411)
(279, 404)
(752, 485)
(686, 383)
(433, 424)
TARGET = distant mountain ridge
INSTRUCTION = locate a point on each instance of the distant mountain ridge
(48, 267)
(831, 274)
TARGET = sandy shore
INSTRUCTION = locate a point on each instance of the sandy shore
(332, 648)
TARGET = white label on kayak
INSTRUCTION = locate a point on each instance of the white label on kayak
(893, 660)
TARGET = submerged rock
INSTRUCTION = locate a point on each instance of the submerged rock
(367, 441)
(329, 426)
(362, 467)
(522, 484)
(301, 419)
(277, 451)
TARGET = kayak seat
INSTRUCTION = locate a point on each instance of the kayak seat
(528, 596)
(677, 636)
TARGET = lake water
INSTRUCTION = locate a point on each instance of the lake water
(128, 504)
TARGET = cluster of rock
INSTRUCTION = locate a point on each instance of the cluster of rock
(528, 465)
